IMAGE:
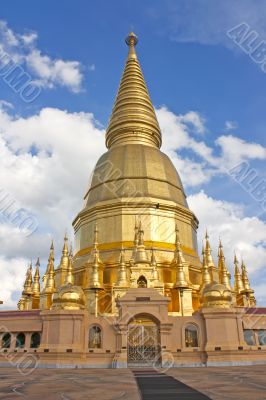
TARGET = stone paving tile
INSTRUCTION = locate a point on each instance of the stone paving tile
(68, 384)
(225, 383)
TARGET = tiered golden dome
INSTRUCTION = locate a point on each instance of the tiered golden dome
(69, 297)
(216, 295)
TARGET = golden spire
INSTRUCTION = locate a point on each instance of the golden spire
(245, 279)
(122, 271)
(64, 258)
(140, 254)
(208, 254)
(50, 281)
(206, 277)
(95, 261)
(179, 263)
(51, 257)
(133, 119)
(223, 271)
(155, 274)
(69, 275)
(28, 280)
(248, 292)
(238, 286)
(36, 284)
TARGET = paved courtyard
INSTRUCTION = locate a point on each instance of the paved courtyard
(106, 384)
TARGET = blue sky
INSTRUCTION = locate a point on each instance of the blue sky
(208, 93)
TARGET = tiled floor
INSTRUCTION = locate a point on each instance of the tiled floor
(225, 383)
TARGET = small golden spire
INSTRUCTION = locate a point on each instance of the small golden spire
(140, 254)
(122, 271)
(28, 280)
(224, 275)
(238, 286)
(133, 119)
(155, 273)
(50, 281)
(95, 261)
(64, 258)
(208, 254)
(36, 284)
(50, 258)
(69, 275)
(179, 263)
(206, 277)
(245, 279)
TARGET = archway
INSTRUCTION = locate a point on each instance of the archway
(143, 342)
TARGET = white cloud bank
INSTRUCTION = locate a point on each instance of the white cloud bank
(48, 72)
(204, 162)
(45, 163)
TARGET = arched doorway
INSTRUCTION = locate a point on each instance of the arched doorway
(143, 342)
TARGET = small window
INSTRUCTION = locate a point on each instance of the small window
(249, 337)
(6, 341)
(35, 340)
(20, 340)
(95, 337)
(262, 337)
(191, 336)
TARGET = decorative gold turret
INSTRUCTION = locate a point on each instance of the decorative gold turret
(49, 287)
(136, 240)
(179, 264)
(224, 277)
(181, 283)
(36, 289)
(26, 297)
(28, 281)
(61, 271)
(95, 281)
(140, 255)
(249, 298)
(45, 275)
(206, 276)
(133, 119)
(238, 286)
(155, 274)
(69, 276)
(122, 280)
(208, 256)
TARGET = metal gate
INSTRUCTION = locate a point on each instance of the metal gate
(143, 343)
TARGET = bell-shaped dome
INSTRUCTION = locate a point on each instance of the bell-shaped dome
(69, 297)
(133, 171)
(216, 295)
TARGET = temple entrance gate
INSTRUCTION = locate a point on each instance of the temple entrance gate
(143, 343)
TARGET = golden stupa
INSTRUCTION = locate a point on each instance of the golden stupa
(135, 229)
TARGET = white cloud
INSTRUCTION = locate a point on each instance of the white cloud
(12, 279)
(48, 72)
(228, 151)
(235, 150)
(45, 163)
(245, 235)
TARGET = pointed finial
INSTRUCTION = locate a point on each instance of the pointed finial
(206, 234)
(52, 245)
(131, 39)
